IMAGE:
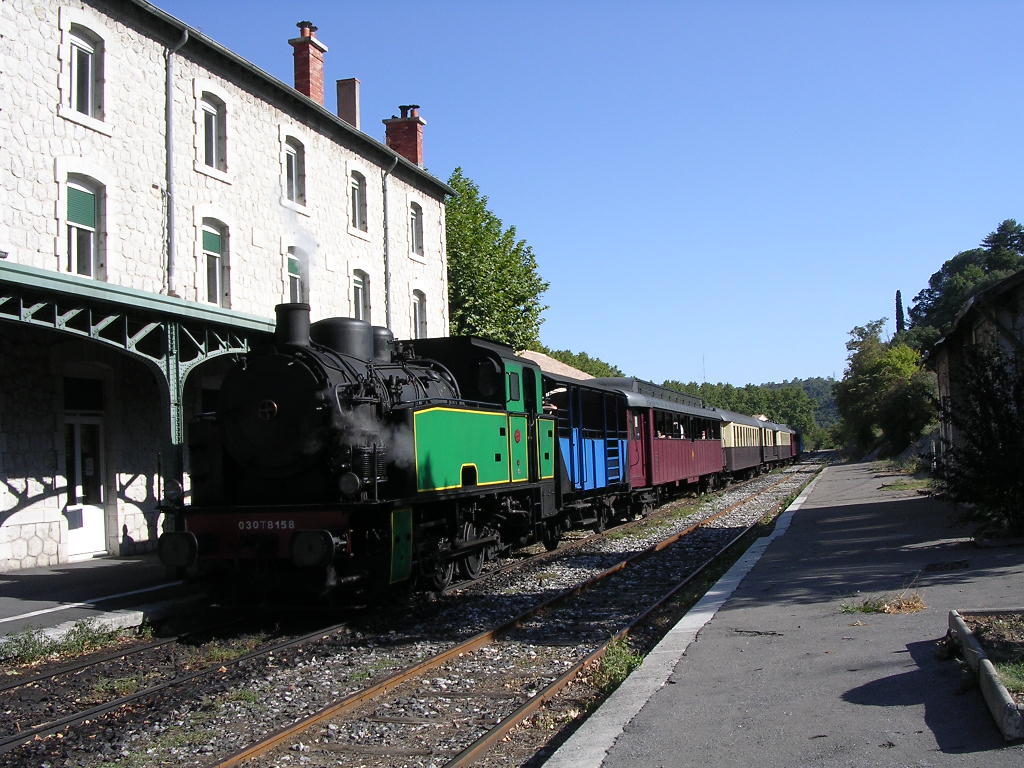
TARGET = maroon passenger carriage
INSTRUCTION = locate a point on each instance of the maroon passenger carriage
(674, 440)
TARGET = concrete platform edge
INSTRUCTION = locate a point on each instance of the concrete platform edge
(113, 620)
(1007, 714)
(589, 745)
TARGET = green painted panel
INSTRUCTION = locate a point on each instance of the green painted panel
(401, 544)
(81, 207)
(546, 447)
(212, 242)
(447, 439)
(519, 447)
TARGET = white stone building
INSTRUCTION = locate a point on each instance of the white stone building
(158, 196)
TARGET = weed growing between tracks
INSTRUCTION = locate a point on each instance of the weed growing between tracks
(616, 664)
(32, 646)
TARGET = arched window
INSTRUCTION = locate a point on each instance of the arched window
(360, 295)
(419, 315)
(215, 257)
(297, 289)
(86, 72)
(84, 214)
(214, 132)
(357, 213)
(416, 228)
(295, 170)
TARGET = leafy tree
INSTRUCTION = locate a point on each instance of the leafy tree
(983, 466)
(787, 404)
(961, 277)
(584, 362)
(901, 320)
(886, 398)
(494, 288)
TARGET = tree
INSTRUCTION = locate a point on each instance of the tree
(1000, 255)
(886, 398)
(901, 321)
(494, 288)
(783, 404)
(595, 366)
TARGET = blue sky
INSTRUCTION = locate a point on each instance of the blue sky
(716, 191)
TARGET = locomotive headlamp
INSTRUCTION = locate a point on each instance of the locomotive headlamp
(349, 484)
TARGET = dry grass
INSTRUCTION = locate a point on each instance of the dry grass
(905, 603)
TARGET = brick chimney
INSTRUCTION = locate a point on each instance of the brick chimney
(309, 62)
(405, 134)
(348, 101)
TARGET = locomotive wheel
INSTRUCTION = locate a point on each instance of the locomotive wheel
(602, 520)
(472, 564)
(442, 575)
(552, 535)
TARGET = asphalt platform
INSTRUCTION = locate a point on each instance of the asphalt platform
(114, 592)
(770, 671)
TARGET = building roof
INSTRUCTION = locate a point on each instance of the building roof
(979, 299)
(194, 37)
(548, 364)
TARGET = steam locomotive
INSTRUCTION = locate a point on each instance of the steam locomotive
(343, 458)
(338, 457)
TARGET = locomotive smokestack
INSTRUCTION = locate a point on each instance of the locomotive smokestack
(292, 325)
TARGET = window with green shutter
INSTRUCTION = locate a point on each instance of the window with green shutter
(82, 225)
(81, 207)
(216, 263)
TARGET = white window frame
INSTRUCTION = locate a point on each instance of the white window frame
(358, 214)
(416, 230)
(81, 31)
(212, 111)
(222, 289)
(419, 315)
(360, 295)
(297, 282)
(76, 230)
(294, 182)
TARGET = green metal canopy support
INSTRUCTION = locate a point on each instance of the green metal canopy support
(172, 337)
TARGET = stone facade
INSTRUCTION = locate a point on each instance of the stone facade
(115, 148)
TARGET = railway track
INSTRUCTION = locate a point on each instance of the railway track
(458, 705)
(292, 681)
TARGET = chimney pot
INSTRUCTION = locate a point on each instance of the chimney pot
(404, 134)
(309, 62)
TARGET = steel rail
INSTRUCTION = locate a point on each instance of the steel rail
(571, 546)
(102, 657)
(352, 701)
(8, 743)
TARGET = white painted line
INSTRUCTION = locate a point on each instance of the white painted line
(91, 602)
(590, 744)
